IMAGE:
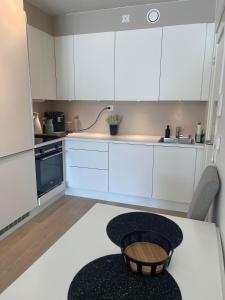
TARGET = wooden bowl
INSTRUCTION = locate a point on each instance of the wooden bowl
(146, 252)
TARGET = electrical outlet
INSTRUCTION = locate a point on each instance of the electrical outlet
(110, 107)
(126, 19)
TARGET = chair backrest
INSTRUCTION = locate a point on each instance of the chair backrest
(205, 193)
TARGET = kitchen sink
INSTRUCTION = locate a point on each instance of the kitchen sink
(174, 140)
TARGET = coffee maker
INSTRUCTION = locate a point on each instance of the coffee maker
(58, 120)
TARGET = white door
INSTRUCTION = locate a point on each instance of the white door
(15, 99)
(138, 55)
(208, 63)
(217, 93)
(64, 53)
(174, 173)
(18, 187)
(94, 66)
(130, 169)
(183, 52)
(42, 64)
(36, 58)
(49, 75)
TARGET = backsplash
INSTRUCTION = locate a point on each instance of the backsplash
(147, 118)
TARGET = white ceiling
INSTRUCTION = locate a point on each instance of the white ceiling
(58, 7)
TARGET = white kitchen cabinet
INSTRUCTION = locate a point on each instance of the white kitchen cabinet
(182, 66)
(130, 169)
(87, 165)
(49, 75)
(88, 179)
(15, 100)
(137, 67)
(65, 69)
(174, 173)
(42, 64)
(208, 63)
(87, 145)
(200, 165)
(35, 62)
(18, 186)
(94, 66)
(87, 159)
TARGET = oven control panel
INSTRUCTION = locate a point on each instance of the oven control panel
(48, 149)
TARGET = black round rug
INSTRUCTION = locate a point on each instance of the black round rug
(135, 221)
(108, 278)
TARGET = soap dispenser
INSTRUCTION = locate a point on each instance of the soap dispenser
(167, 132)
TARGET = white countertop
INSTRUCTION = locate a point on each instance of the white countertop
(195, 264)
(140, 139)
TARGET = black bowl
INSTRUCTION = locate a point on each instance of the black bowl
(152, 239)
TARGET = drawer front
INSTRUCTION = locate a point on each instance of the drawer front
(88, 179)
(87, 159)
(86, 145)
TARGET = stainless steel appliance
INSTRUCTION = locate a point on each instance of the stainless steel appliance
(49, 167)
(58, 120)
(43, 138)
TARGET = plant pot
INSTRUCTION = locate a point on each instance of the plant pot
(113, 129)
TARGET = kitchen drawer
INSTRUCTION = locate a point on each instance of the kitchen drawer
(87, 159)
(88, 179)
(87, 145)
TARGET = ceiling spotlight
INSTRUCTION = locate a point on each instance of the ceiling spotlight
(153, 16)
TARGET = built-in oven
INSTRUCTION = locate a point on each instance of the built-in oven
(49, 167)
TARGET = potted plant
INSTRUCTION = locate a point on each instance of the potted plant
(114, 121)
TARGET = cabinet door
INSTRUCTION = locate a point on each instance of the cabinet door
(42, 64)
(174, 173)
(94, 66)
(199, 168)
(87, 159)
(36, 57)
(208, 64)
(87, 179)
(130, 169)
(18, 187)
(183, 52)
(15, 99)
(138, 55)
(48, 76)
(64, 51)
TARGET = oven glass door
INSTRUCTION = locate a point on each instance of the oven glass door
(49, 172)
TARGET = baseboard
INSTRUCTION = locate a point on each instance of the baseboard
(147, 202)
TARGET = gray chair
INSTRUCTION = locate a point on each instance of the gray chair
(205, 193)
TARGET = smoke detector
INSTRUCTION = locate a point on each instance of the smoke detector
(153, 16)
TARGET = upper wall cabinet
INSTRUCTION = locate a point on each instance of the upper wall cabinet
(64, 52)
(208, 64)
(94, 66)
(183, 61)
(138, 55)
(42, 64)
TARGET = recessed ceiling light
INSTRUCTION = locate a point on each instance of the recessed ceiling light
(153, 16)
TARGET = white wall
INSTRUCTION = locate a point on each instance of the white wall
(172, 13)
(138, 117)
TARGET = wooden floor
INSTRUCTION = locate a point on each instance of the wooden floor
(23, 247)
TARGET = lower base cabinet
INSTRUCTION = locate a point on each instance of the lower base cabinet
(88, 179)
(159, 172)
(174, 173)
(18, 187)
(130, 169)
